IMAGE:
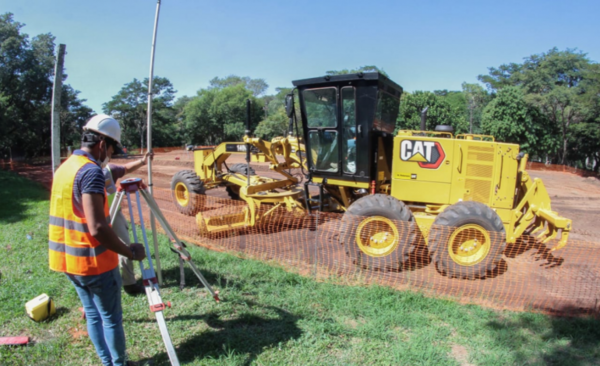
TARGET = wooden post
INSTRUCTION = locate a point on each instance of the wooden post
(56, 92)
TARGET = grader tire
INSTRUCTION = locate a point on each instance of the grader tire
(234, 191)
(467, 240)
(372, 236)
(187, 191)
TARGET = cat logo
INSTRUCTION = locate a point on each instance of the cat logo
(428, 154)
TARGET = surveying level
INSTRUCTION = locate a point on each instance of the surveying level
(134, 185)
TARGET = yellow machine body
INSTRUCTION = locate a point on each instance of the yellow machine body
(438, 170)
(469, 195)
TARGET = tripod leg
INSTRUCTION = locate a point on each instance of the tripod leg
(181, 274)
(115, 206)
(177, 244)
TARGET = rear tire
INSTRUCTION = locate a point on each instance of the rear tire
(467, 240)
(187, 191)
(379, 232)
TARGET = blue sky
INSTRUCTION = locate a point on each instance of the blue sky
(422, 45)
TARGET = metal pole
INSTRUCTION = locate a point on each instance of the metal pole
(56, 92)
(149, 143)
(248, 111)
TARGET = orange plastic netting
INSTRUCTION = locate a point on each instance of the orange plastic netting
(525, 276)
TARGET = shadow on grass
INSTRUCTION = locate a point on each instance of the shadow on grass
(15, 193)
(247, 336)
(172, 278)
(575, 341)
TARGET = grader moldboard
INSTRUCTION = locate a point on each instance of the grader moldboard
(466, 196)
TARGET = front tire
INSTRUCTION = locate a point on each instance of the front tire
(379, 232)
(467, 240)
(187, 191)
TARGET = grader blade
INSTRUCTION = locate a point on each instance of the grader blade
(219, 223)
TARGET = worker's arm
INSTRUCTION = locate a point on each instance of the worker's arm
(93, 209)
(134, 165)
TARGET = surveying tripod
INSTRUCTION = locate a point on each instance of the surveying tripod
(134, 185)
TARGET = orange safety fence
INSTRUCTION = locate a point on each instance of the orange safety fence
(525, 276)
(560, 168)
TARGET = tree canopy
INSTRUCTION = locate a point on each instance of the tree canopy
(217, 115)
(130, 107)
(549, 104)
(26, 71)
(560, 83)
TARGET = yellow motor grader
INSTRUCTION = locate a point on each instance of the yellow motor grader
(466, 196)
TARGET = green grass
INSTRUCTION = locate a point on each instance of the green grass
(268, 316)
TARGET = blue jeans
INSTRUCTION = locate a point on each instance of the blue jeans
(101, 299)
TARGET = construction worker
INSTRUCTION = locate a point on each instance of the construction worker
(112, 173)
(81, 242)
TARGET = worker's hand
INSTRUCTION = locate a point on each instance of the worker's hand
(138, 250)
(148, 155)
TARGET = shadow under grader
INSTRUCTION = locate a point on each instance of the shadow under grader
(543, 253)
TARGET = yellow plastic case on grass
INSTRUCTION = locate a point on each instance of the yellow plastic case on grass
(40, 308)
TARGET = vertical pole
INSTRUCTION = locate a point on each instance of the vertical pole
(149, 142)
(56, 92)
(248, 112)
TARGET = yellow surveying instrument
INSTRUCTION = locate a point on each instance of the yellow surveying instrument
(126, 188)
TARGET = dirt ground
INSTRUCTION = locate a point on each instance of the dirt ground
(528, 278)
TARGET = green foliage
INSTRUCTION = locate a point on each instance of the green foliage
(560, 84)
(256, 86)
(219, 114)
(130, 107)
(475, 99)
(584, 145)
(440, 112)
(509, 118)
(370, 68)
(26, 71)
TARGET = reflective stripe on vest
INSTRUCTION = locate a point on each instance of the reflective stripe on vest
(72, 249)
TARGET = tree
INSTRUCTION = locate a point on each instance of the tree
(584, 145)
(476, 98)
(130, 107)
(73, 116)
(276, 122)
(554, 82)
(370, 68)
(217, 115)
(256, 86)
(440, 112)
(509, 118)
(26, 70)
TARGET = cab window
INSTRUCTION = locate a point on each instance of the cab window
(321, 107)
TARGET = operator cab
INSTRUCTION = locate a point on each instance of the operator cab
(348, 123)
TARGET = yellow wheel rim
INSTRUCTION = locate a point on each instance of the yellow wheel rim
(182, 195)
(377, 236)
(469, 245)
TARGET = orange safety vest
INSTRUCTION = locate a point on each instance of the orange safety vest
(72, 248)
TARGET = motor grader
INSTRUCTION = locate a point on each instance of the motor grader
(465, 196)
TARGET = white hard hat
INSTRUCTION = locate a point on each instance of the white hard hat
(104, 125)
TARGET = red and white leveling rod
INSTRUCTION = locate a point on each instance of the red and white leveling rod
(134, 185)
